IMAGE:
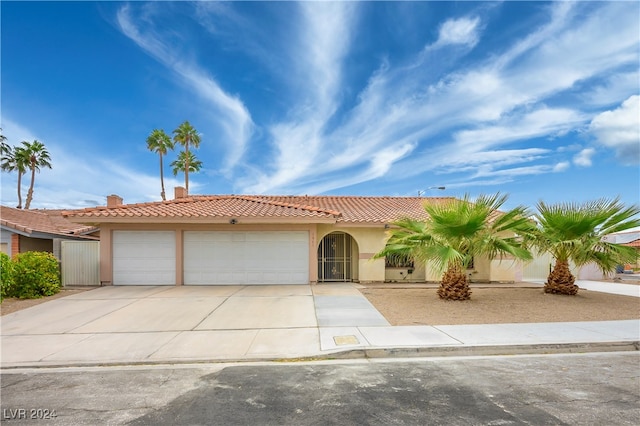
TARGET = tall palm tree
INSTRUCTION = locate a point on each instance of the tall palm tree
(185, 161)
(573, 232)
(15, 159)
(186, 135)
(457, 231)
(159, 142)
(38, 156)
(5, 148)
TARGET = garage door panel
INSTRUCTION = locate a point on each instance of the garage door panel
(144, 258)
(238, 236)
(246, 257)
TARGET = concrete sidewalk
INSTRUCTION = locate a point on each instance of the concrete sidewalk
(366, 329)
(155, 324)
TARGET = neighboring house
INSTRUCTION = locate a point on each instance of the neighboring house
(241, 239)
(39, 230)
(630, 239)
(539, 269)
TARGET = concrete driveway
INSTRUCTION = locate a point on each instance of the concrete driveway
(185, 323)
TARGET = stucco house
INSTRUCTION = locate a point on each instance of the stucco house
(243, 239)
(629, 238)
(39, 230)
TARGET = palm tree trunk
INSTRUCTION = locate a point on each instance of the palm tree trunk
(162, 194)
(19, 206)
(186, 166)
(30, 193)
(560, 280)
(454, 285)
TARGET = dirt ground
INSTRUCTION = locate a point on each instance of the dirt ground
(422, 306)
(11, 304)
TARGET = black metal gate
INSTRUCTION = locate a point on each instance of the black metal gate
(334, 258)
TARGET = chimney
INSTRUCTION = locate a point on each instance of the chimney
(114, 200)
(180, 192)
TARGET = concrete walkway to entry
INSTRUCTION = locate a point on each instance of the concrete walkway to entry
(155, 324)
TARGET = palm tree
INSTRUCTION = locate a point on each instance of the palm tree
(185, 160)
(455, 233)
(8, 159)
(5, 148)
(38, 156)
(186, 135)
(15, 159)
(158, 141)
(574, 232)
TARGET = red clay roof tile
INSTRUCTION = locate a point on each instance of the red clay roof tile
(46, 221)
(634, 243)
(342, 209)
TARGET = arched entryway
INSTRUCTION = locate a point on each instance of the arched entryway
(337, 258)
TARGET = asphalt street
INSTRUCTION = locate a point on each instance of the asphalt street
(573, 389)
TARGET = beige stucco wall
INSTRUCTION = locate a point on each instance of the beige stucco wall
(591, 271)
(485, 270)
(369, 241)
(106, 270)
(496, 270)
(403, 275)
(505, 270)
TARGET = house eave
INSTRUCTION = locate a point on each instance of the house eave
(20, 230)
(94, 221)
(47, 235)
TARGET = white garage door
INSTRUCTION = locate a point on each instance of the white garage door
(246, 257)
(144, 258)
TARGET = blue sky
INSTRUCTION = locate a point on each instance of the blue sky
(540, 100)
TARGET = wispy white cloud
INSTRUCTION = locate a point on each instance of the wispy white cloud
(584, 157)
(614, 88)
(561, 166)
(619, 129)
(384, 159)
(458, 31)
(574, 47)
(377, 166)
(229, 112)
(543, 121)
(324, 35)
(454, 162)
(516, 171)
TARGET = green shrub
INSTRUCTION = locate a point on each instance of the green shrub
(36, 274)
(7, 284)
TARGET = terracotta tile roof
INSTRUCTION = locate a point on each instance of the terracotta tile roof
(634, 243)
(208, 207)
(366, 209)
(45, 221)
(345, 209)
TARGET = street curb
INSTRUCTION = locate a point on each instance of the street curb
(373, 353)
(488, 350)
